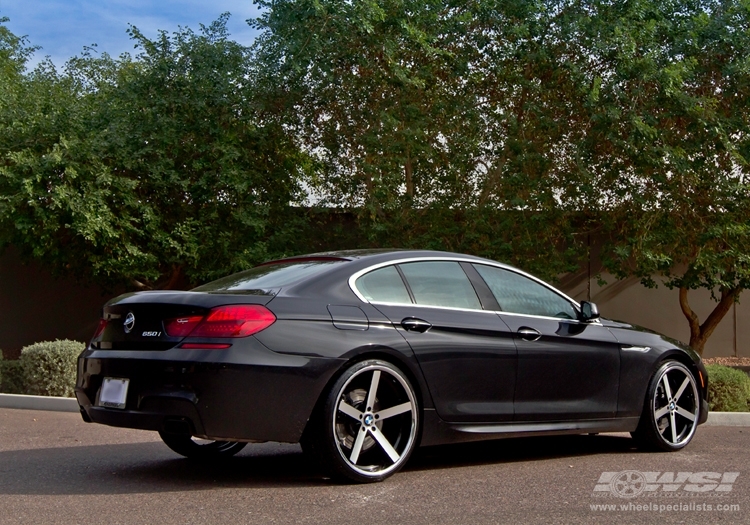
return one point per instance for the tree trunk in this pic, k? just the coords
(409, 175)
(175, 279)
(699, 333)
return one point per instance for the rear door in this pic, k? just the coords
(464, 349)
(567, 369)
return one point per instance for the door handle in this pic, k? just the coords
(412, 324)
(529, 334)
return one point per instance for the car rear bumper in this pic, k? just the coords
(244, 395)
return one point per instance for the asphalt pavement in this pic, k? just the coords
(54, 468)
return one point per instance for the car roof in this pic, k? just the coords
(380, 254)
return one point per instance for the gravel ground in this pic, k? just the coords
(727, 361)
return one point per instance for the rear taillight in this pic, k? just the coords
(235, 321)
(239, 320)
(100, 328)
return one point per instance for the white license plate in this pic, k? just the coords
(114, 392)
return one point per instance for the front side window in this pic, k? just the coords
(520, 295)
(440, 283)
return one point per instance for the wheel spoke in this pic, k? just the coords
(394, 411)
(350, 410)
(667, 390)
(672, 423)
(373, 390)
(682, 388)
(357, 447)
(684, 413)
(380, 438)
(661, 412)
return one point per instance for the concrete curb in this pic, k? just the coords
(70, 404)
(728, 419)
(55, 404)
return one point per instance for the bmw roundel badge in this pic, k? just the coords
(129, 322)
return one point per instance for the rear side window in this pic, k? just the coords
(440, 283)
(383, 286)
(268, 276)
(521, 295)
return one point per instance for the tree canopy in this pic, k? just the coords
(426, 116)
(670, 144)
(150, 169)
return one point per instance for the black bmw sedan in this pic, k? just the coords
(361, 356)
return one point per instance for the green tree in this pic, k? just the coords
(427, 116)
(150, 170)
(668, 145)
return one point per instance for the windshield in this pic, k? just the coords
(268, 276)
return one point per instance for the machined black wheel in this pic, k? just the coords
(368, 426)
(195, 448)
(672, 409)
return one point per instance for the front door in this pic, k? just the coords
(567, 369)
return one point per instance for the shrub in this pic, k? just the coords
(49, 368)
(728, 389)
(11, 377)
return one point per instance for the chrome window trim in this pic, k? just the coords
(594, 321)
(452, 308)
(353, 278)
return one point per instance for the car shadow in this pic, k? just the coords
(149, 467)
(152, 468)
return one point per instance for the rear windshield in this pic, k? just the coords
(268, 276)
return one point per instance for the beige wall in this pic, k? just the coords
(34, 306)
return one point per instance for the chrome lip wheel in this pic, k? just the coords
(676, 405)
(375, 421)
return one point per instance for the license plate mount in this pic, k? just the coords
(114, 392)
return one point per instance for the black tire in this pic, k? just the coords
(187, 446)
(671, 411)
(360, 437)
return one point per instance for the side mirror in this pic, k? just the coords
(589, 311)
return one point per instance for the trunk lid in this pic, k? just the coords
(135, 321)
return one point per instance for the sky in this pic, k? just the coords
(64, 27)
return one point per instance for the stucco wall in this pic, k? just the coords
(34, 306)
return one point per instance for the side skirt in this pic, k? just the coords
(438, 432)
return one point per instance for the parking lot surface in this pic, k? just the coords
(54, 468)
